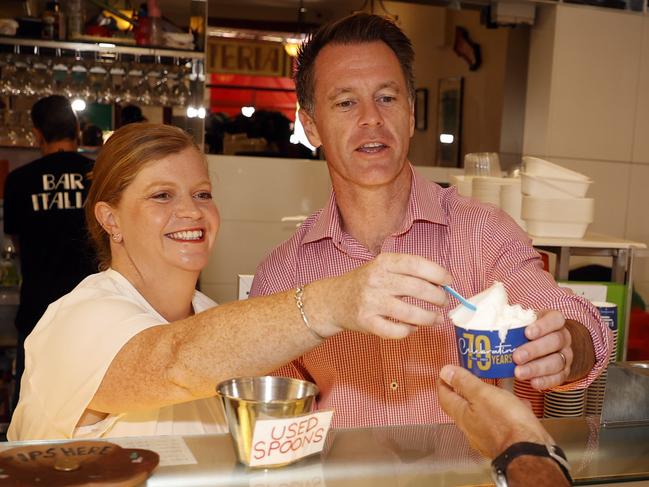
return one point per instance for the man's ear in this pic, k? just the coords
(39, 136)
(310, 128)
(107, 218)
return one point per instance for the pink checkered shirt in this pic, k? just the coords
(370, 381)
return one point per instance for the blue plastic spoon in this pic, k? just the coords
(459, 297)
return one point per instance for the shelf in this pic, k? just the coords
(106, 47)
(590, 241)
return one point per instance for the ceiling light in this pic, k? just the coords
(78, 105)
(247, 111)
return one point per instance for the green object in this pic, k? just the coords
(100, 115)
(615, 293)
(9, 272)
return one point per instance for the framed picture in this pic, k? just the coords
(421, 108)
(449, 121)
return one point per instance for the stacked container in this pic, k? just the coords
(554, 202)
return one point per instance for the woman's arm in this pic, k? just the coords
(184, 360)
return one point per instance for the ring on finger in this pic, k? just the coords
(563, 357)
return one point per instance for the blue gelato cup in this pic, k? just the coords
(482, 352)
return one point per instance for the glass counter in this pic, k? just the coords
(412, 456)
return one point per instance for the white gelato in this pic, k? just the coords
(493, 312)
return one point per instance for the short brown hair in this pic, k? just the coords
(125, 153)
(358, 28)
(54, 118)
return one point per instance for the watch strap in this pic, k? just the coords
(500, 463)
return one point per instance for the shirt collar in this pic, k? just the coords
(423, 205)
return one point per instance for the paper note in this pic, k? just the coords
(592, 292)
(278, 441)
(172, 449)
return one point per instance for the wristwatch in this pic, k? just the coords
(500, 463)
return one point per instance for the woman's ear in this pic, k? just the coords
(107, 218)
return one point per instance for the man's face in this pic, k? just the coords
(362, 115)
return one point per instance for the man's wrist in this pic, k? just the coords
(583, 350)
(545, 471)
(554, 465)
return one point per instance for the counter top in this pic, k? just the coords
(590, 240)
(412, 456)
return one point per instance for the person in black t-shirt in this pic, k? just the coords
(44, 217)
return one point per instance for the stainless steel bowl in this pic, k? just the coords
(246, 399)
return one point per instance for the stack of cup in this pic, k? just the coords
(487, 189)
(482, 164)
(463, 183)
(483, 181)
(564, 404)
(524, 390)
(511, 199)
(595, 392)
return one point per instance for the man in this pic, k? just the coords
(355, 87)
(503, 429)
(43, 215)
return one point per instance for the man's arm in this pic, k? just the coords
(493, 420)
(559, 351)
(529, 470)
(583, 359)
(568, 343)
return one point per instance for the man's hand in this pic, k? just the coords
(370, 298)
(490, 417)
(548, 359)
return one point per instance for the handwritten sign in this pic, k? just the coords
(282, 441)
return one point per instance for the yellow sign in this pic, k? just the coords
(247, 57)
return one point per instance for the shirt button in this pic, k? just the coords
(394, 385)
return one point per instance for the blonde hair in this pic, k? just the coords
(125, 153)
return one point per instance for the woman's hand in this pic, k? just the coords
(371, 298)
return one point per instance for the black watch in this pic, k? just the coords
(500, 463)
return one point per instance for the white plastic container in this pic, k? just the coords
(540, 228)
(546, 187)
(547, 169)
(557, 217)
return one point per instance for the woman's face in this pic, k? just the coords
(167, 217)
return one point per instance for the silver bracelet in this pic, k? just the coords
(299, 292)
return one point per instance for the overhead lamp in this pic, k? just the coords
(123, 18)
(291, 48)
(193, 112)
(78, 105)
(247, 111)
(446, 138)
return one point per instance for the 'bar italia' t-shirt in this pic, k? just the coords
(43, 206)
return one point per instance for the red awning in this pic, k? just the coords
(230, 92)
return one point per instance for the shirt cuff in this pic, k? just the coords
(98, 429)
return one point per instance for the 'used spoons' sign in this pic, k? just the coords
(282, 441)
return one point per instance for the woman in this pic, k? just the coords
(135, 350)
